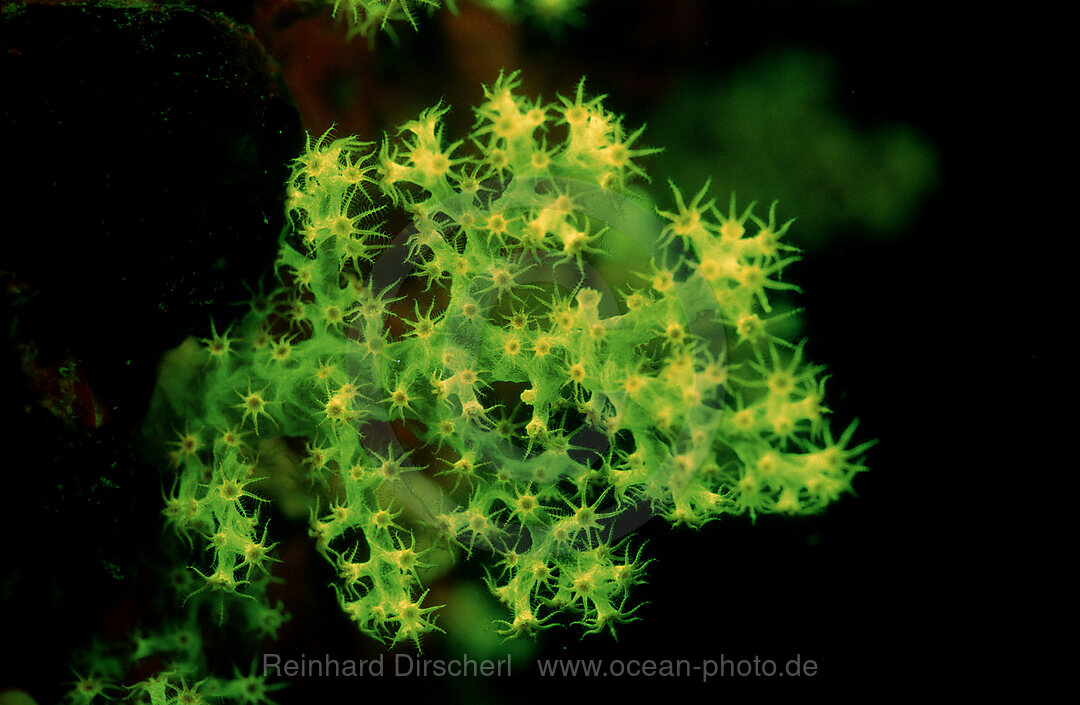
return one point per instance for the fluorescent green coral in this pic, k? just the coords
(471, 381)
(367, 18)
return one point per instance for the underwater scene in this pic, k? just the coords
(482, 350)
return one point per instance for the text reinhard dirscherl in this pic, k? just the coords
(402, 665)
